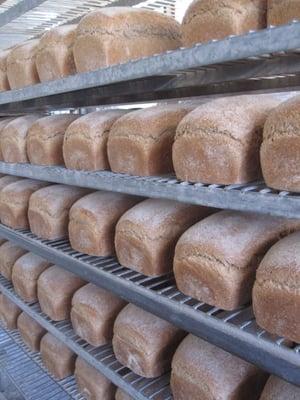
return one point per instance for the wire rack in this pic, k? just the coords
(27, 373)
(235, 331)
(102, 358)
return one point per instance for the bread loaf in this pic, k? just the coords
(14, 202)
(7, 180)
(93, 314)
(93, 219)
(277, 389)
(140, 143)
(9, 253)
(45, 139)
(57, 357)
(54, 56)
(114, 35)
(85, 140)
(21, 68)
(216, 259)
(280, 149)
(3, 123)
(91, 383)
(282, 12)
(201, 371)
(25, 273)
(49, 207)
(4, 85)
(120, 395)
(13, 139)
(143, 342)
(30, 331)
(55, 290)
(209, 19)
(277, 282)
(9, 312)
(219, 141)
(146, 235)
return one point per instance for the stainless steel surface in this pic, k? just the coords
(27, 372)
(254, 197)
(236, 331)
(102, 358)
(258, 61)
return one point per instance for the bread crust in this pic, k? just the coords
(4, 84)
(9, 312)
(120, 395)
(280, 12)
(30, 331)
(278, 389)
(9, 254)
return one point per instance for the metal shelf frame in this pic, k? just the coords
(27, 375)
(253, 197)
(102, 358)
(235, 332)
(235, 64)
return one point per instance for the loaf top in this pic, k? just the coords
(60, 35)
(136, 22)
(55, 346)
(144, 330)
(30, 261)
(58, 281)
(82, 368)
(20, 191)
(18, 127)
(211, 367)
(283, 121)
(55, 199)
(278, 389)
(93, 125)
(4, 122)
(24, 52)
(8, 306)
(99, 300)
(233, 237)
(28, 324)
(233, 117)
(48, 128)
(3, 60)
(149, 124)
(281, 265)
(7, 180)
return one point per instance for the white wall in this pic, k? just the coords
(181, 6)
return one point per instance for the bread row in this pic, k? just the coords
(225, 141)
(199, 370)
(217, 257)
(118, 34)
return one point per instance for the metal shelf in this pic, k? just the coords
(102, 358)
(236, 64)
(236, 331)
(254, 197)
(25, 372)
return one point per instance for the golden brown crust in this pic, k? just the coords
(282, 12)
(277, 389)
(9, 312)
(4, 84)
(9, 254)
(30, 331)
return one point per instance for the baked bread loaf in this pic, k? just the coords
(13, 139)
(93, 219)
(57, 357)
(49, 207)
(120, 395)
(7, 180)
(143, 342)
(91, 383)
(93, 314)
(219, 141)
(25, 273)
(14, 202)
(54, 57)
(30, 331)
(140, 143)
(9, 253)
(282, 12)
(202, 371)
(277, 282)
(3, 123)
(146, 235)
(9, 312)
(4, 85)
(281, 145)
(85, 140)
(55, 290)
(278, 389)
(216, 259)
(45, 139)
(21, 68)
(209, 19)
(115, 35)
